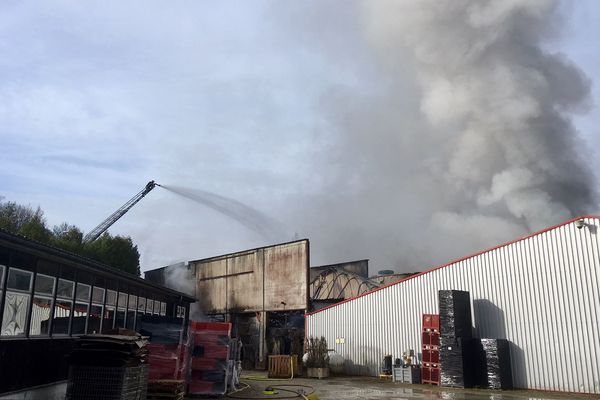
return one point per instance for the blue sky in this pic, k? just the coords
(96, 99)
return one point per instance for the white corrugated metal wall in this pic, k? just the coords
(540, 292)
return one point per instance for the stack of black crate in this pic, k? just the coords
(456, 347)
(466, 361)
(492, 358)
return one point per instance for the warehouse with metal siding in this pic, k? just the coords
(540, 292)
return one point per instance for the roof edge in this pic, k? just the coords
(570, 221)
(340, 263)
(86, 262)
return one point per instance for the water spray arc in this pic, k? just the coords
(249, 217)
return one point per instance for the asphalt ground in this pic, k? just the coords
(340, 388)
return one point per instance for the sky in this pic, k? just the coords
(328, 120)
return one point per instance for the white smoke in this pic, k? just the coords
(181, 278)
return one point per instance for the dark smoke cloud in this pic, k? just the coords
(464, 141)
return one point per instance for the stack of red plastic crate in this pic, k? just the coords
(168, 360)
(430, 372)
(208, 370)
(168, 350)
(163, 360)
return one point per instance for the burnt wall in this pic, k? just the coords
(273, 278)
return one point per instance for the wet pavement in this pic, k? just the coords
(340, 388)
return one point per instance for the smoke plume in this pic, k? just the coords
(464, 139)
(179, 277)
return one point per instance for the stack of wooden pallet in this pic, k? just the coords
(166, 389)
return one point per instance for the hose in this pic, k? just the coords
(297, 393)
(284, 388)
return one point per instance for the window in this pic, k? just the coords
(19, 280)
(121, 310)
(108, 319)
(141, 305)
(65, 289)
(156, 307)
(80, 312)
(111, 298)
(41, 309)
(122, 300)
(83, 293)
(131, 307)
(16, 304)
(96, 311)
(149, 306)
(44, 284)
(63, 307)
(163, 309)
(98, 296)
(180, 312)
(132, 302)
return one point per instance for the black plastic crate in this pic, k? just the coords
(455, 313)
(496, 373)
(457, 361)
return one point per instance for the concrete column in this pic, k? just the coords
(262, 340)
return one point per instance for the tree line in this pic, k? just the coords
(115, 251)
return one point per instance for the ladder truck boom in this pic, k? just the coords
(114, 217)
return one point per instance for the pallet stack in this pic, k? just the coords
(430, 371)
(209, 367)
(108, 367)
(166, 390)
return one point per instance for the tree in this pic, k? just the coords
(68, 237)
(35, 228)
(24, 221)
(118, 252)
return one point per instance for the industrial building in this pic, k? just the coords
(49, 297)
(262, 292)
(540, 292)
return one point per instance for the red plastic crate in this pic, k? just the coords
(426, 338)
(430, 376)
(206, 364)
(431, 340)
(425, 374)
(216, 340)
(431, 322)
(218, 352)
(222, 328)
(431, 356)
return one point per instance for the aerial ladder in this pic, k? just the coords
(114, 217)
